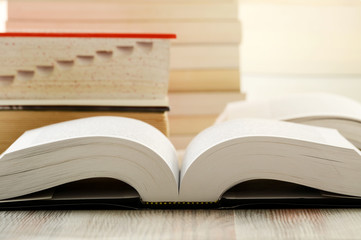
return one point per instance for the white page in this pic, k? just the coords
(117, 127)
(260, 128)
(295, 106)
(245, 149)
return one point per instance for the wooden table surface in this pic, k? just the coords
(182, 224)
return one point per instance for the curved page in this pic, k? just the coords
(245, 149)
(115, 147)
(307, 105)
(317, 109)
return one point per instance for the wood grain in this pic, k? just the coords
(117, 225)
(298, 224)
(183, 224)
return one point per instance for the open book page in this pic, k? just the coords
(116, 127)
(259, 128)
(114, 147)
(295, 106)
(245, 149)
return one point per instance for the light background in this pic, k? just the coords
(300, 46)
(295, 46)
(3, 14)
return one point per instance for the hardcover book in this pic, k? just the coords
(212, 171)
(78, 66)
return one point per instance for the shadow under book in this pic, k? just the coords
(115, 162)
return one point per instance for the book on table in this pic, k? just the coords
(118, 161)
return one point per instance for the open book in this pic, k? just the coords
(216, 160)
(317, 109)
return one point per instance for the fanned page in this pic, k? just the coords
(245, 149)
(317, 109)
(127, 68)
(308, 105)
(114, 147)
(217, 159)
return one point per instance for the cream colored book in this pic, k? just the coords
(204, 80)
(76, 66)
(185, 124)
(201, 103)
(193, 31)
(204, 56)
(318, 109)
(217, 159)
(141, 1)
(118, 10)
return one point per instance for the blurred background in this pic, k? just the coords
(300, 46)
(3, 14)
(226, 50)
(293, 46)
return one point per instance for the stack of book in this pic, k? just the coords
(204, 60)
(47, 78)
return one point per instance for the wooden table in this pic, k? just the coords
(182, 224)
